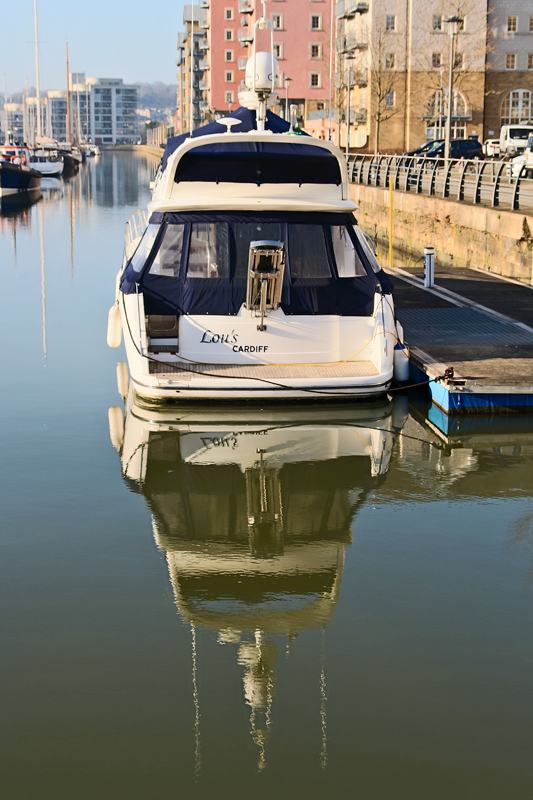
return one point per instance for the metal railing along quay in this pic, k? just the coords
(479, 182)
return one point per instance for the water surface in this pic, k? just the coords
(305, 602)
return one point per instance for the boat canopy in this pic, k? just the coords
(247, 123)
(197, 263)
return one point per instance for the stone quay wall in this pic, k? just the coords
(463, 235)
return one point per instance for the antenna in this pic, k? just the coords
(229, 122)
(264, 24)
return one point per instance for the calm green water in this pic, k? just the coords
(300, 603)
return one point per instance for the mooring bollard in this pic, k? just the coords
(429, 267)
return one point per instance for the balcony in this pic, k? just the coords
(347, 9)
(203, 64)
(246, 6)
(246, 35)
(203, 105)
(352, 41)
(359, 79)
(242, 61)
(203, 25)
(203, 86)
(204, 3)
(203, 46)
(360, 116)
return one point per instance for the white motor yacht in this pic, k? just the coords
(46, 158)
(248, 276)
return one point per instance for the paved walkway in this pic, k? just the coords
(487, 347)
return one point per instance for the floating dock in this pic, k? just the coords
(477, 324)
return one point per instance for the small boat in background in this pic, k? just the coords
(15, 173)
(45, 157)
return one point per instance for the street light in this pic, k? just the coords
(287, 82)
(453, 31)
(349, 58)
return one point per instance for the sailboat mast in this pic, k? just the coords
(37, 76)
(68, 101)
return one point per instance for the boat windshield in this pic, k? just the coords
(144, 247)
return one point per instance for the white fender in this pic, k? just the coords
(114, 326)
(401, 363)
(400, 411)
(122, 379)
(116, 427)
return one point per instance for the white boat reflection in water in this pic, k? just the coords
(253, 509)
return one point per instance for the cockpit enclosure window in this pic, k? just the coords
(349, 264)
(308, 257)
(208, 250)
(258, 163)
(364, 241)
(167, 260)
(246, 232)
(144, 248)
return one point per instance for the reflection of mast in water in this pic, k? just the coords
(43, 284)
(197, 755)
(71, 230)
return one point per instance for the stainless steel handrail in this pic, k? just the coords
(488, 182)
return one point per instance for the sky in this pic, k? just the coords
(133, 40)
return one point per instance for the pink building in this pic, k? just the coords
(301, 45)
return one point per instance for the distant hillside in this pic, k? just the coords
(157, 95)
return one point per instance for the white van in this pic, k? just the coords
(514, 138)
(529, 157)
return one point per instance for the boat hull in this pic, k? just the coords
(14, 178)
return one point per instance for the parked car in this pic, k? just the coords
(459, 149)
(424, 148)
(491, 147)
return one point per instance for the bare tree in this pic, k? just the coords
(383, 66)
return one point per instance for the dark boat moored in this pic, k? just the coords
(17, 178)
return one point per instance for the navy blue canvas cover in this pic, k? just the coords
(183, 294)
(247, 123)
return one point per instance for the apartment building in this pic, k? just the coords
(223, 32)
(393, 58)
(509, 76)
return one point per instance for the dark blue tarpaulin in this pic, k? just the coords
(247, 123)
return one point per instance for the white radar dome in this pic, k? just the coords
(266, 68)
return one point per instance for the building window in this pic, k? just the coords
(517, 107)
(320, 106)
(531, 24)
(437, 22)
(242, 62)
(229, 34)
(228, 13)
(278, 50)
(314, 79)
(229, 97)
(277, 21)
(436, 60)
(510, 61)
(315, 51)
(530, 60)
(389, 61)
(390, 22)
(390, 99)
(228, 55)
(511, 24)
(229, 77)
(316, 22)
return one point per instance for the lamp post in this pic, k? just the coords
(453, 30)
(349, 59)
(287, 82)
